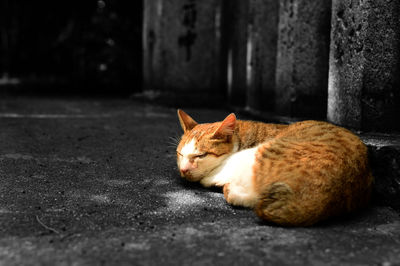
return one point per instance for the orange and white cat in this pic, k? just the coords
(294, 175)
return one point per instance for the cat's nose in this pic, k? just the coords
(184, 171)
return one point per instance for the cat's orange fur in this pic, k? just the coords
(294, 175)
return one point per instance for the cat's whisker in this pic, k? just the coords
(173, 141)
(171, 145)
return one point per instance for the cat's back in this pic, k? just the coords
(312, 130)
(317, 144)
(321, 169)
(252, 133)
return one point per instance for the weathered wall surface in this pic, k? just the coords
(364, 65)
(182, 46)
(261, 53)
(236, 14)
(302, 59)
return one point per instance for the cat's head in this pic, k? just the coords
(204, 147)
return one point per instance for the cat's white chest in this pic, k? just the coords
(238, 173)
(237, 170)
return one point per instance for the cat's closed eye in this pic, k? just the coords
(203, 155)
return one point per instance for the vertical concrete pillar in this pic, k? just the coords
(364, 73)
(261, 53)
(151, 47)
(182, 47)
(235, 37)
(303, 58)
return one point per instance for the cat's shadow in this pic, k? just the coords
(197, 186)
(351, 219)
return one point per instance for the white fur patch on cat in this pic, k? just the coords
(186, 162)
(237, 171)
(189, 148)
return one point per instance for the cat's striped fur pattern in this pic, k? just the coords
(294, 174)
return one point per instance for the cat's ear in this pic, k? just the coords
(187, 123)
(227, 128)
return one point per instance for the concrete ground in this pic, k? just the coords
(94, 182)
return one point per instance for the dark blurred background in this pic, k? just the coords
(299, 59)
(61, 47)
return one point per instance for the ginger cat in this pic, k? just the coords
(292, 175)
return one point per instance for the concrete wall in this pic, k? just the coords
(261, 53)
(236, 25)
(302, 59)
(182, 47)
(334, 59)
(364, 65)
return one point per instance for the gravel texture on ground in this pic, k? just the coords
(94, 182)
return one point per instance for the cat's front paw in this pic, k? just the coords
(226, 192)
(237, 196)
(229, 196)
